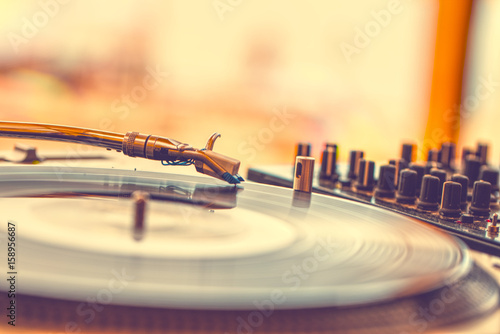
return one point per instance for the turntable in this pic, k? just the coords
(124, 248)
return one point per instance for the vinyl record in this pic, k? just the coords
(218, 258)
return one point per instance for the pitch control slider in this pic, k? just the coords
(134, 144)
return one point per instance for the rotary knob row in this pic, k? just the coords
(405, 180)
(435, 191)
(449, 197)
(453, 201)
(446, 155)
(328, 171)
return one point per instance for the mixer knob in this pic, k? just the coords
(448, 152)
(467, 219)
(302, 150)
(329, 163)
(430, 165)
(407, 187)
(409, 152)
(471, 170)
(467, 153)
(366, 179)
(354, 159)
(386, 187)
(441, 175)
(464, 182)
(489, 175)
(429, 198)
(482, 153)
(451, 198)
(433, 155)
(480, 204)
(400, 165)
(420, 174)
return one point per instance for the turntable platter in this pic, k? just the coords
(208, 246)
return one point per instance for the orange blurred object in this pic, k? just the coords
(451, 42)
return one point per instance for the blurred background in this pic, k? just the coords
(265, 74)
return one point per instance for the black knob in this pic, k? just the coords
(450, 203)
(466, 219)
(489, 175)
(400, 165)
(471, 170)
(408, 152)
(430, 165)
(366, 179)
(354, 158)
(429, 199)
(303, 150)
(329, 163)
(467, 153)
(441, 175)
(433, 155)
(482, 153)
(448, 152)
(407, 187)
(480, 204)
(464, 182)
(420, 174)
(386, 187)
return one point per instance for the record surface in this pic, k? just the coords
(209, 247)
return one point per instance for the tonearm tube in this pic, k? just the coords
(134, 144)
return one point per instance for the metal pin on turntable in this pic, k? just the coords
(140, 199)
(302, 181)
